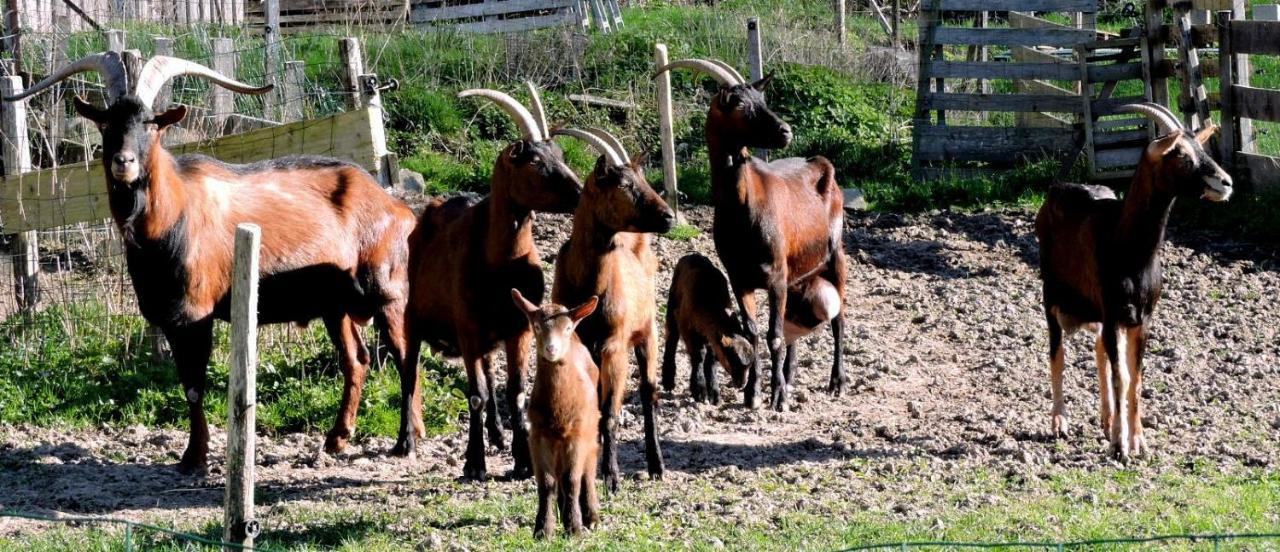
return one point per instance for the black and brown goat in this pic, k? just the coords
(334, 244)
(700, 313)
(564, 417)
(777, 225)
(608, 256)
(1100, 263)
(465, 256)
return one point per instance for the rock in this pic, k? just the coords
(914, 408)
(854, 200)
(412, 181)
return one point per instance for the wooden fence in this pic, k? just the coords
(1241, 102)
(486, 16)
(47, 16)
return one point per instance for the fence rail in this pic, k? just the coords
(1241, 102)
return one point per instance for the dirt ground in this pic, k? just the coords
(946, 352)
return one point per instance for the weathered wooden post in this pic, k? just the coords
(1227, 137)
(295, 91)
(600, 15)
(115, 40)
(271, 59)
(163, 47)
(840, 25)
(388, 171)
(353, 64)
(17, 160)
(666, 127)
(223, 102)
(755, 63)
(239, 526)
(894, 37)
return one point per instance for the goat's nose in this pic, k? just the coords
(124, 158)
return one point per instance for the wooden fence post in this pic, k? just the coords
(388, 169)
(755, 63)
(1243, 73)
(349, 49)
(1154, 11)
(295, 91)
(271, 59)
(599, 16)
(895, 36)
(115, 40)
(1226, 69)
(17, 160)
(666, 128)
(840, 25)
(239, 526)
(222, 103)
(163, 47)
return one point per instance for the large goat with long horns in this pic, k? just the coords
(778, 226)
(334, 244)
(465, 257)
(1100, 263)
(608, 256)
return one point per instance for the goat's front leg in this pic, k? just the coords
(1104, 384)
(647, 361)
(669, 352)
(777, 346)
(410, 398)
(836, 385)
(697, 385)
(1115, 340)
(477, 398)
(191, 347)
(542, 524)
(1137, 341)
(613, 384)
(709, 367)
(345, 339)
(747, 309)
(1057, 359)
(517, 370)
(492, 422)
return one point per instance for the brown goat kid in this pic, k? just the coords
(608, 256)
(1100, 263)
(700, 313)
(465, 256)
(777, 225)
(333, 242)
(564, 417)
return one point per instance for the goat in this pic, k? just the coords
(777, 225)
(1100, 263)
(464, 257)
(564, 416)
(608, 256)
(333, 242)
(700, 313)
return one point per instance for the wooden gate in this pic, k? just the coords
(1241, 102)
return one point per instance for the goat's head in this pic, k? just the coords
(1178, 161)
(739, 109)
(130, 127)
(616, 191)
(735, 351)
(533, 167)
(553, 324)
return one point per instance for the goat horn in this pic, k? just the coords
(522, 117)
(539, 112)
(1166, 124)
(160, 69)
(741, 79)
(613, 141)
(108, 64)
(717, 72)
(600, 144)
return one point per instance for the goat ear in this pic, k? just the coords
(639, 161)
(90, 111)
(601, 165)
(171, 116)
(1206, 133)
(522, 303)
(584, 310)
(763, 83)
(1164, 146)
(517, 148)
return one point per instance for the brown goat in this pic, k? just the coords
(465, 256)
(564, 417)
(1100, 263)
(700, 313)
(608, 256)
(333, 242)
(777, 225)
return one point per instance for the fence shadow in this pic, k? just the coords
(870, 239)
(700, 456)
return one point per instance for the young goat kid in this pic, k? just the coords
(700, 313)
(333, 242)
(1100, 262)
(465, 256)
(777, 225)
(608, 256)
(564, 417)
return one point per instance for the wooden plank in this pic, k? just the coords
(1227, 138)
(925, 50)
(1009, 70)
(1108, 106)
(1256, 103)
(1001, 144)
(1088, 6)
(17, 160)
(239, 526)
(1263, 171)
(513, 25)
(422, 14)
(1012, 37)
(1192, 84)
(1121, 137)
(1255, 37)
(1003, 102)
(1019, 20)
(1115, 72)
(56, 197)
(1106, 159)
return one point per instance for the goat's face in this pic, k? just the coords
(623, 201)
(1184, 168)
(736, 353)
(741, 111)
(553, 324)
(541, 181)
(129, 130)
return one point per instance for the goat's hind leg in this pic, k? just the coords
(646, 359)
(1137, 341)
(1057, 359)
(477, 397)
(517, 368)
(709, 368)
(344, 334)
(1105, 411)
(1115, 341)
(747, 309)
(777, 345)
(492, 422)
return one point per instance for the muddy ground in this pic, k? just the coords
(946, 353)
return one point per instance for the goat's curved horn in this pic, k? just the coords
(1161, 117)
(539, 112)
(613, 142)
(717, 72)
(600, 144)
(160, 69)
(741, 79)
(522, 117)
(108, 64)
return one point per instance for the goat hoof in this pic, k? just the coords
(714, 398)
(193, 464)
(1058, 427)
(474, 472)
(336, 441)
(751, 399)
(404, 447)
(780, 399)
(540, 534)
(835, 388)
(1139, 446)
(611, 483)
(520, 472)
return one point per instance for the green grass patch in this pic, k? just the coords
(683, 232)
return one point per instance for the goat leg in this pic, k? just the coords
(669, 353)
(777, 349)
(571, 505)
(342, 332)
(474, 468)
(837, 384)
(405, 441)
(649, 402)
(1137, 341)
(542, 525)
(747, 308)
(590, 502)
(709, 366)
(697, 385)
(517, 363)
(1057, 358)
(1104, 385)
(492, 421)
(191, 348)
(1112, 338)
(789, 365)
(613, 384)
